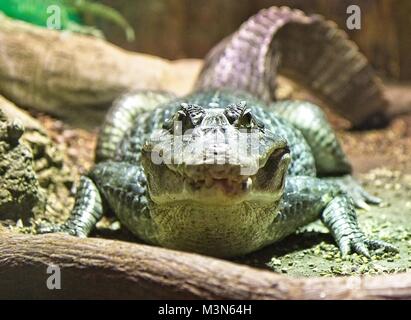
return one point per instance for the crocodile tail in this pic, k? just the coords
(306, 49)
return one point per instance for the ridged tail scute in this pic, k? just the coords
(306, 49)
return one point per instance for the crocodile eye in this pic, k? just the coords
(241, 116)
(233, 111)
(245, 120)
(174, 120)
(188, 117)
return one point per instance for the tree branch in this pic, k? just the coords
(99, 268)
(64, 73)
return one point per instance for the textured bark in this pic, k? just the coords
(97, 268)
(13, 113)
(63, 73)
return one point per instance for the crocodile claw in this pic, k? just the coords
(351, 187)
(381, 245)
(358, 243)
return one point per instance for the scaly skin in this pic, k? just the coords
(209, 228)
(220, 171)
(305, 48)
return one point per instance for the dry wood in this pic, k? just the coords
(99, 268)
(63, 73)
(14, 113)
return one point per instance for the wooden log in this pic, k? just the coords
(69, 74)
(98, 268)
(14, 113)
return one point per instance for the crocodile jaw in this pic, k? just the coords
(212, 229)
(216, 185)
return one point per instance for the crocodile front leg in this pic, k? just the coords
(330, 160)
(119, 186)
(307, 199)
(87, 211)
(339, 216)
(124, 187)
(353, 188)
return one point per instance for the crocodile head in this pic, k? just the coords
(215, 154)
(220, 160)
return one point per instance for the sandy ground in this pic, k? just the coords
(381, 160)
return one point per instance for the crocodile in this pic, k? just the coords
(227, 170)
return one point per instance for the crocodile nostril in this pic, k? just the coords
(214, 119)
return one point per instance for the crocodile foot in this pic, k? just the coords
(353, 188)
(358, 243)
(340, 217)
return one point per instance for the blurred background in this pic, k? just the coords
(189, 28)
